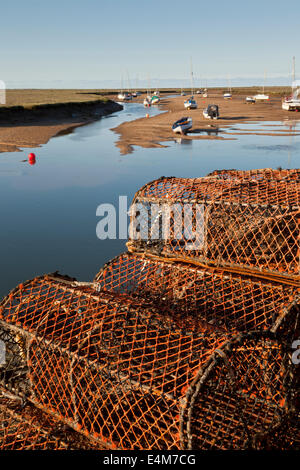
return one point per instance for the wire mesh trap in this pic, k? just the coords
(240, 221)
(216, 300)
(25, 427)
(116, 369)
(172, 346)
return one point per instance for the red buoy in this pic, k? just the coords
(31, 158)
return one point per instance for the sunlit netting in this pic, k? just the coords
(248, 223)
(229, 302)
(262, 174)
(113, 367)
(240, 399)
(24, 427)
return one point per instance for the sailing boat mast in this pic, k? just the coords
(294, 70)
(264, 82)
(192, 79)
(229, 84)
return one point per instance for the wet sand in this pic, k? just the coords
(32, 117)
(156, 131)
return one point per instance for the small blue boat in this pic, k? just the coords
(182, 125)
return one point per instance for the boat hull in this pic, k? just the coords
(181, 127)
(292, 105)
(190, 105)
(261, 97)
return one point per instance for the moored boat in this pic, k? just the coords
(227, 95)
(124, 96)
(182, 125)
(155, 99)
(191, 103)
(261, 97)
(291, 104)
(211, 112)
(147, 101)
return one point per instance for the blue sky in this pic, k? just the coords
(90, 41)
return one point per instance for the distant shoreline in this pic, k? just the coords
(28, 120)
(31, 117)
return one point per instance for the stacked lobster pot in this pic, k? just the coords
(184, 342)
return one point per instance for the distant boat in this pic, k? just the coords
(182, 125)
(124, 96)
(136, 93)
(262, 96)
(155, 99)
(191, 103)
(228, 95)
(250, 99)
(203, 93)
(211, 112)
(147, 101)
(292, 103)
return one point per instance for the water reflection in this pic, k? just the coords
(183, 141)
(210, 130)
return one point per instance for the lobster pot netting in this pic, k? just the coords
(20, 431)
(24, 427)
(234, 220)
(260, 174)
(234, 402)
(183, 342)
(110, 365)
(193, 295)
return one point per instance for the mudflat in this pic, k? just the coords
(31, 117)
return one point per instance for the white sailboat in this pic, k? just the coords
(292, 103)
(124, 96)
(191, 103)
(228, 95)
(262, 96)
(147, 100)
